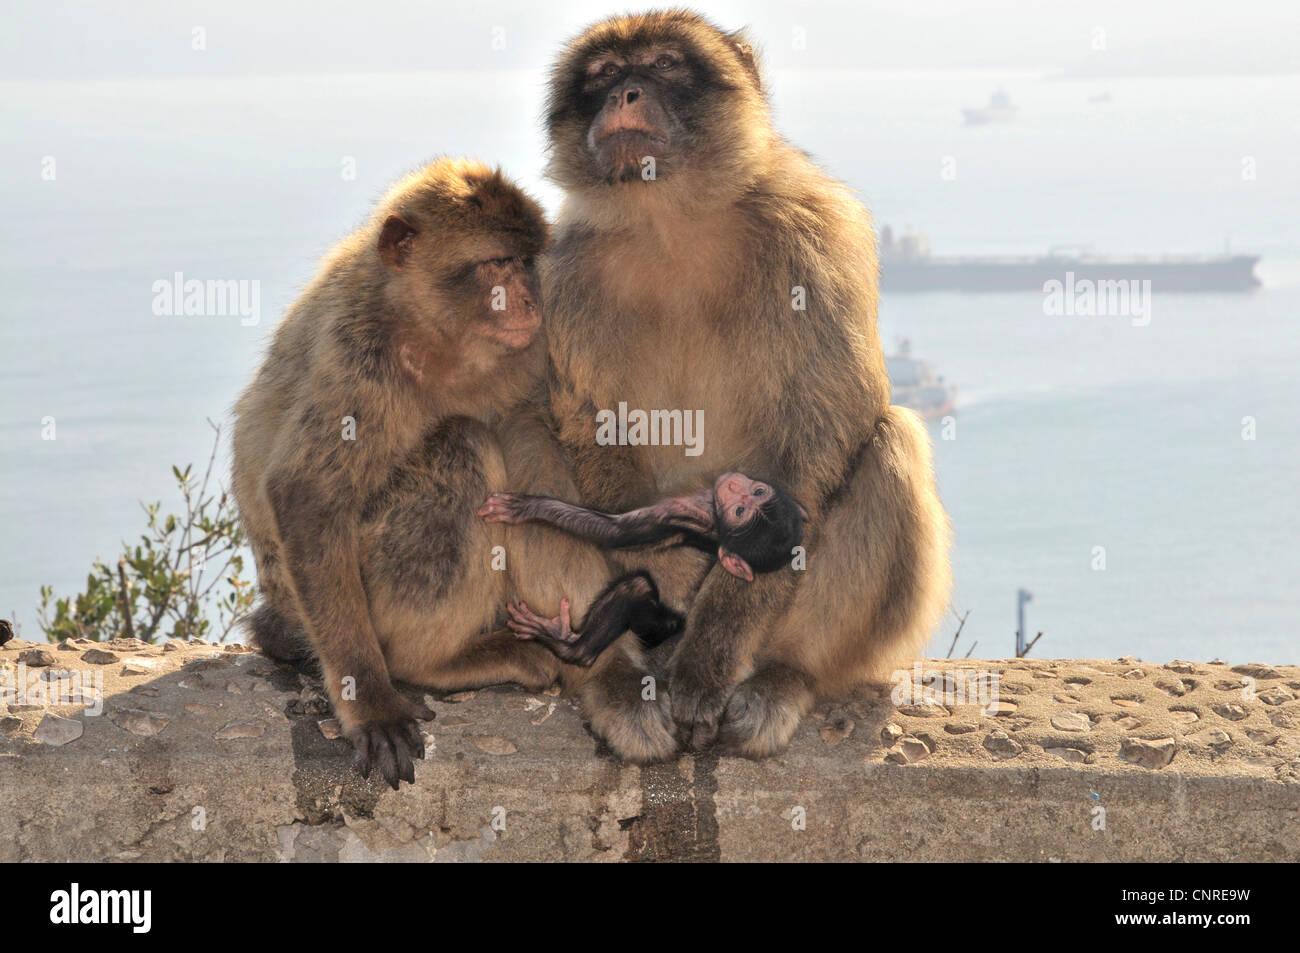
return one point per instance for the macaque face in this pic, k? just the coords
(498, 295)
(632, 98)
(477, 294)
(737, 498)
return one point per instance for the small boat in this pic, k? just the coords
(914, 386)
(999, 109)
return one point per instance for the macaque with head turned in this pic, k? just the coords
(369, 436)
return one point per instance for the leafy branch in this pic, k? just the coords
(185, 569)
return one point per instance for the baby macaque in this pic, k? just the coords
(754, 525)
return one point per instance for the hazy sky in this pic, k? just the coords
(70, 39)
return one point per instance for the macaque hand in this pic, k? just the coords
(502, 508)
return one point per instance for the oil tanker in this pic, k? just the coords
(907, 265)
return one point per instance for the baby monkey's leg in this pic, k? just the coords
(630, 602)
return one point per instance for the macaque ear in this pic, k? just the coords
(745, 50)
(395, 241)
(735, 565)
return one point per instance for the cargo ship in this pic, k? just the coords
(907, 265)
(913, 385)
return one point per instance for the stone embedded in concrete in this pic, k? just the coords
(138, 721)
(1150, 753)
(57, 731)
(1071, 721)
(1002, 746)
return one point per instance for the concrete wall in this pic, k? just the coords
(195, 752)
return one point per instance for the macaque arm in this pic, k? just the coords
(650, 524)
(316, 514)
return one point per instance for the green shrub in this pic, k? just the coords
(184, 579)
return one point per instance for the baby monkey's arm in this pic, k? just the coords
(650, 524)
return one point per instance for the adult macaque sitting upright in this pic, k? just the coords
(702, 262)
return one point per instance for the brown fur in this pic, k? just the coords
(676, 293)
(368, 551)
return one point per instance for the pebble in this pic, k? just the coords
(66, 646)
(1275, 696)
(1134, 673)
(1001, 709)
(1069, 754)
(35, 658)
(890, 734)
(100, 657)
(1230, 712)
(908, 751)
(1213, 737)
(959, 727)
(1071, 721)
(494, 745)
(1183, 716)
(140, 666)
(1262, 736)
(927, 710)
(1153, 754)
(1001, 745)
(138, 721)
(198, 708)
(10, 724)
(57, 731)
(330, 728)
(1126, 702)
(1181, 667)
(1256, 670)
(240, 729)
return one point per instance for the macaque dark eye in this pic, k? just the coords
(740, 512)
(665, 62)
(759, 490)
(609, 69)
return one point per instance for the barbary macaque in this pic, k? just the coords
(400, 389)
(754, 526)
(702, 261)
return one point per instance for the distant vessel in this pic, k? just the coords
(907, 265)
(914, 386)
(999, 109)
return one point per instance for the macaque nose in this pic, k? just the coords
(626, 96)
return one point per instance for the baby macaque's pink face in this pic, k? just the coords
(737, 498)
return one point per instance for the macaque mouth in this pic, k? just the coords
(631, 133)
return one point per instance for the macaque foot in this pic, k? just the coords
(529, 625)
(763, 712)
(697, 709)
(555, 634)
(390, 740)
(501, 508)
(632, 716)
